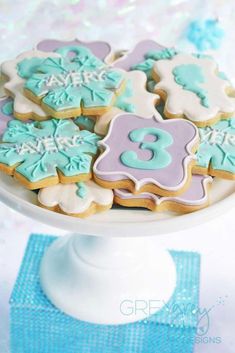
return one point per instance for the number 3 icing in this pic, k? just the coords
(147, 152)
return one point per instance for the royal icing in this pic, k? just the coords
(170, 142)
(193, 88)
(69, 199)
(85, 122)
(101, 50)
(39, 149)
(6, 113)
(136, 99)
(217, 146)
(17, 71)
(196, 195)
(83, 83)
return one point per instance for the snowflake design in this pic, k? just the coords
(217, 147)
(82, 84)
(37, 150)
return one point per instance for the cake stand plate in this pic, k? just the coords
(112, 269)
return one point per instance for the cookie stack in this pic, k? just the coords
(88, 130)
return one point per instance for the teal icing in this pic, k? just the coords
(164, 54)
(80, 54)
(190, 76)
(146, 66)
(82, 190)
(121, 101)
(8, 108)
(217, 146)
(85, 122)
(39, 149)
(27, 67)
(160, 157)
(63, 84)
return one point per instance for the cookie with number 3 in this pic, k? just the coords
(147, 155)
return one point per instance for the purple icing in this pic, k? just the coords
(4, 118)
(109, 166)
(137, 55)
(99, 49)
(195, 193)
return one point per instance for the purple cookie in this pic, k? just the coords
(137, 55)
(6, 113)
(146, 155)
(195, 198)
(100, 49)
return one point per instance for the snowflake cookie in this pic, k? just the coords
(46, 153)
(6, 113)
(16, 72)
(192, 89)
(216, 153)
(195, 198)
(66, 87)
(147, 155)
(135, 99)
(77, 199)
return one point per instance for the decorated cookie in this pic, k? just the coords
(147, 155)
(101, 50)
(6, 113)
(86, 122)
(195, 198)
(17, 71)
(66, 87)
(216, 153)
(193, 90)
(46, 153)
(135, 99)
(77, 199)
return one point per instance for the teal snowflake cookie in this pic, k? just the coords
(45, 153)
(67, 88)
(216, 153)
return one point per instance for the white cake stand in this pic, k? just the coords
(112, 269)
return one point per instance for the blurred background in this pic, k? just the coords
(205, 26)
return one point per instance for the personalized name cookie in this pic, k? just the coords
(16, 72)
(195, 198)
(192, 89)
(78, 199)
(216, 153)
(46, 153)
(147, 155)
(135, 99)
(66, 87)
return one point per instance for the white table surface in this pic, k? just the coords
(214, 240)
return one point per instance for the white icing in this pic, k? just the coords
(140, 183)
(65, 196)
(184, 102)
(213, 137)
(15, 84)
(48, 144)
(158, 200)
(75, 79)
(143, 101)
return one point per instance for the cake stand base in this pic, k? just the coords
(108, 280)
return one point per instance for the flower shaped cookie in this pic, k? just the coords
(42, 154)
(216, 153)
(147, 155)
(192, 89)
(78, 199)
(16, 72)
(195, 198)
(68, 88)
(135, 99)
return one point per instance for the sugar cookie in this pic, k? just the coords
(45, 153)
(193, 90)
(78, 199)
(147, 155)
(216, 153)
(6, 113)
(195, 198)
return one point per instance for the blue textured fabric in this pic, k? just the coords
(38, 327)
